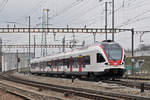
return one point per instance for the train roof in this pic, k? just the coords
(73, 52)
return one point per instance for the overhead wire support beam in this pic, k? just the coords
(39, 46)
(141, 32)
(61, 30)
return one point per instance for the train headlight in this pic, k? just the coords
(121, 63)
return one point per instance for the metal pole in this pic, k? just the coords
(47, 10)
(47, 19)
(34, 46)
(106, 20)
(29, 39)
(17, 60)
(113, 18)
(132, 49)
(94, 34)
(0, 55)
(63, 49)
(73, 40)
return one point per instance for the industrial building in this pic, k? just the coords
(13, 60)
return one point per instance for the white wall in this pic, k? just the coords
(9, 60)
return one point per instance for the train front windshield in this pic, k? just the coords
(113, 51)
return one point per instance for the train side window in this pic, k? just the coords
(35, 65)
(32, 65)
(49, 64)
(66, 62)
(86, 60)
(45, 64)
(54, 63)
(61, 62)
(76, 62)
(100, 58)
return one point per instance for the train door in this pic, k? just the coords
(75, 64)
(49, 65)
(80, 59)
(52, 66)
(41, 66)
(61, 65)
(71, 64)
(44, 66)
(58, 65)
(66, 64)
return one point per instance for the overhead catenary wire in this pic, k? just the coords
(32, 10)
(75, 18)
(133, 7)
(84, 14)
(136, 6)
(133, 18)
(136, 20)
(3, 5)
(71, 6)
(133, 3)
(64, 10)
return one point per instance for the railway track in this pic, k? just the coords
(130, 83)
(14, 93)
(69, 91)
(135, 78)
(25, 94)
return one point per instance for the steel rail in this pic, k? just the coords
(129, 84)
(136, 78)
(92, 94)
(25, 94)
(62, 89)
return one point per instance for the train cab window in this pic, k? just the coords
(100, 58)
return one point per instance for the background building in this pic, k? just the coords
(9, 60)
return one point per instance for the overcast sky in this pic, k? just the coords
(76, 13)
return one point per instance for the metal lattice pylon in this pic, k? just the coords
(44, 34)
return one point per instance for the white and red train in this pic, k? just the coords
(105, 59)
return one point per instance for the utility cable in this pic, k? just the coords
(131, 19)
(3, 5)
(85, 12)
(74, 4)
(34, 9)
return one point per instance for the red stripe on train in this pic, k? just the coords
(58, 65)
(115, 63)
(80, 64)
(57, 68)
(71, 63)
(101, 46)
(51, 68)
